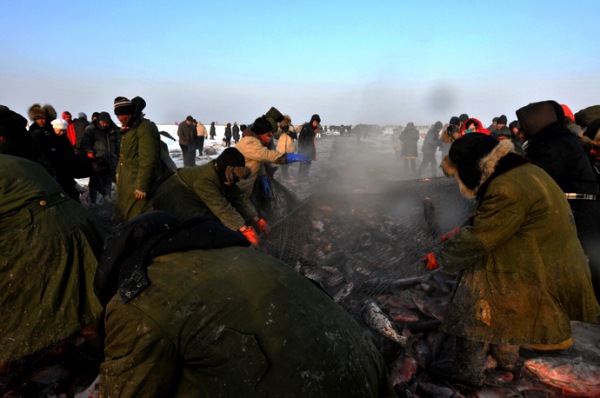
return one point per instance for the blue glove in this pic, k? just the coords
(266, 187)
(297, 157)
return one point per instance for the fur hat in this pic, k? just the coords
(464, 156)
(123, 106)
(538, 115)
(262, 126)
(45, 112)
(60, 124)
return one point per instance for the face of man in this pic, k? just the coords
(266, 138)
(315, 123)
(124, 119)
(104, 125)
(40, 121)
(188, 122)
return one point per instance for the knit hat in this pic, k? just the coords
(454, 121)
(466, 152)
(60, 124)
(503, 132)
(502, 120)
(189, 118)
(104, 117)
(231, 161)
(82, 115)
(262, 126)
(539, 115)
(124, 106)
(316, 118)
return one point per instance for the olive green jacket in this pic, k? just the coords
(139, 167)
(49, 248)
(522, 272)
(195, 192)
(234, 322)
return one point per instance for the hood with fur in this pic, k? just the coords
(47, 111)
(479, 172)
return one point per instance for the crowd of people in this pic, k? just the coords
(188, 307)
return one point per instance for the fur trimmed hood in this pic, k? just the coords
(485, 167)
(47, 111)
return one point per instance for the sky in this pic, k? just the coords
(375, 62)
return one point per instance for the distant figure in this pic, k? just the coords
(202, 134)
(235, 131)
(227, 136)
(80, 124)
(429, 149)
(286, 142)
(66, 115)
(139, 162)
(451, 133)
(212, 133)
(101, 142)
(187, 141)
(307, 145)
(409, 151)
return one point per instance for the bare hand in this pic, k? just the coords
(139, 194)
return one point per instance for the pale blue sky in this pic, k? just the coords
(350, 61)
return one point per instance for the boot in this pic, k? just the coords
(467, 366)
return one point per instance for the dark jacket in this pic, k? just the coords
(103, 144)
(228, 132)
(80, 125)
(432, 141)
(186, 133)
(306, 140)
(409, 138)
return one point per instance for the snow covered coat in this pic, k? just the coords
(196, 192)
(522, 272)
(234, 322)
(139, 167)
(49, 248)
(255, 153)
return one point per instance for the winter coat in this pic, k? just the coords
(103, 144)
(197, 192)
(234, 322)
(256, 153)
(212, 131)
(286, 144)
(235, 131)
(306, 141)
(139, 167)
(431, 142)
(409, 138)
(228, 132)
(522, 272)
(49, 248)
(186, 133)
(80, 125)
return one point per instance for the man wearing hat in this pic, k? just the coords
(139, 162)
(429, 149)
(522, 273)
(307, 145)
(210, 192)
(186, 132)
(101, 142)
(254, 145)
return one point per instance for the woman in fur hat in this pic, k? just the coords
(522, 272)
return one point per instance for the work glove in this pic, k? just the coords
(251, 235)
(297, 157)
(263, 226)
(267, 192)
(448, 235)
(431, 262)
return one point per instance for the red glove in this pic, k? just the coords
(431, 262)
(448, 235)
(90, 155)
(263, 227)
(251, 235)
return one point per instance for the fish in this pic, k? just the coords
(403, 315)
(403, 370)
(379, 321)
(572, 376)
(343, 292)
(432, 307)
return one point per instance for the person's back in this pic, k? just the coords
(235, 322)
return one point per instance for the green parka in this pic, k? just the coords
(49, 248)
(234, 322)
(195, 192)
(139, 167)
(522, 272)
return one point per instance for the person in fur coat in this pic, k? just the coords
(522, 273)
